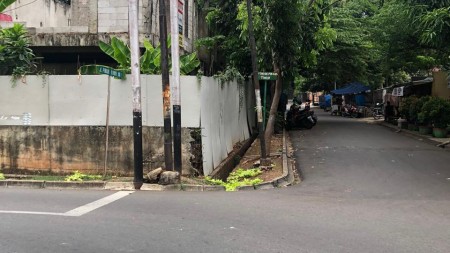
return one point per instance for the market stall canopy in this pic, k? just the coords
(352, 88)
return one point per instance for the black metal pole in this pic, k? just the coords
(138, 158)
(177, 137)
(168, 158)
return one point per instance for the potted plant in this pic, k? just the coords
(438, 111)
(422, 118)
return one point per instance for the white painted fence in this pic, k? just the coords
(81, 101)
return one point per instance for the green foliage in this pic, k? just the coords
(409, 109)
(2, 177)
(16, 57)
(150, 61)
(238, 178)
(438, 111)
(5, 3)
(78, 176)
(422, 118)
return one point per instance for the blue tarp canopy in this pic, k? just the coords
(352, 88)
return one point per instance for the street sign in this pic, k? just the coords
(105, 70)
(267, 76)
(111, 72)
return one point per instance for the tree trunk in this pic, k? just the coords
(273, 109)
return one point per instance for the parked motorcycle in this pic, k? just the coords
(296, 117)
(377, 111)
(350, 111)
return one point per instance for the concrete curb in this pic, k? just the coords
(414, 134)
(112, 186)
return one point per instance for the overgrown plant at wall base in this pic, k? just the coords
(78, 176)
(238, 178)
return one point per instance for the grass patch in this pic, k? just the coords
(78, 177)
(240, 177)
(48, 178)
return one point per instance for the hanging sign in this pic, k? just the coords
(267, 76)
(180, 22)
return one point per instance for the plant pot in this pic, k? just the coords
(413, 127)
(439, 132)
(425, 130)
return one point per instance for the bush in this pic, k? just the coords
(437, 111)
(423, 119)
(408, 109)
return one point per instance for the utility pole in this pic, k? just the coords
(136, 85)
(168, 159)
(176, 99)
(264, 161)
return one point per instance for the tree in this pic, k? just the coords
(5, 3)
(16, 57)
(150, 61)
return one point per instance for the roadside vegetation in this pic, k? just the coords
(238, 178)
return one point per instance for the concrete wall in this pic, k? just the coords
(64, 149)
(40, 13)
(64, 118)
(81, 101)
(441, 85)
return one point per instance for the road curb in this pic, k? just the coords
(413, 134)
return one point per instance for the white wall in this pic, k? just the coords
(81, 101)
(223, 120)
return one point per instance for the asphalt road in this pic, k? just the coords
(366, 189)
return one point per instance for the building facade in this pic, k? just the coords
(65, 33)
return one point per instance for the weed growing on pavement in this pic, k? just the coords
(78, 176)
(240, 177)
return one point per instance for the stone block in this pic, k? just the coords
(154, 175)
(169, 177)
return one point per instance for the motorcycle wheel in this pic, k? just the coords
(307, 124)
(288, 124)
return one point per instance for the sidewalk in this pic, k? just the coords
(428, 138)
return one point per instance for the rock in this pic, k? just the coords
(153, 176)
(169, 177)
(256, 164)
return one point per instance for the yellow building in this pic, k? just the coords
(441, 85)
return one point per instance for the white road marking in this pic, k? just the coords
(82, 210)
(97, 204)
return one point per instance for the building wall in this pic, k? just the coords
(441, 85)
(75, 22)
(58, 123)
(40, 13)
